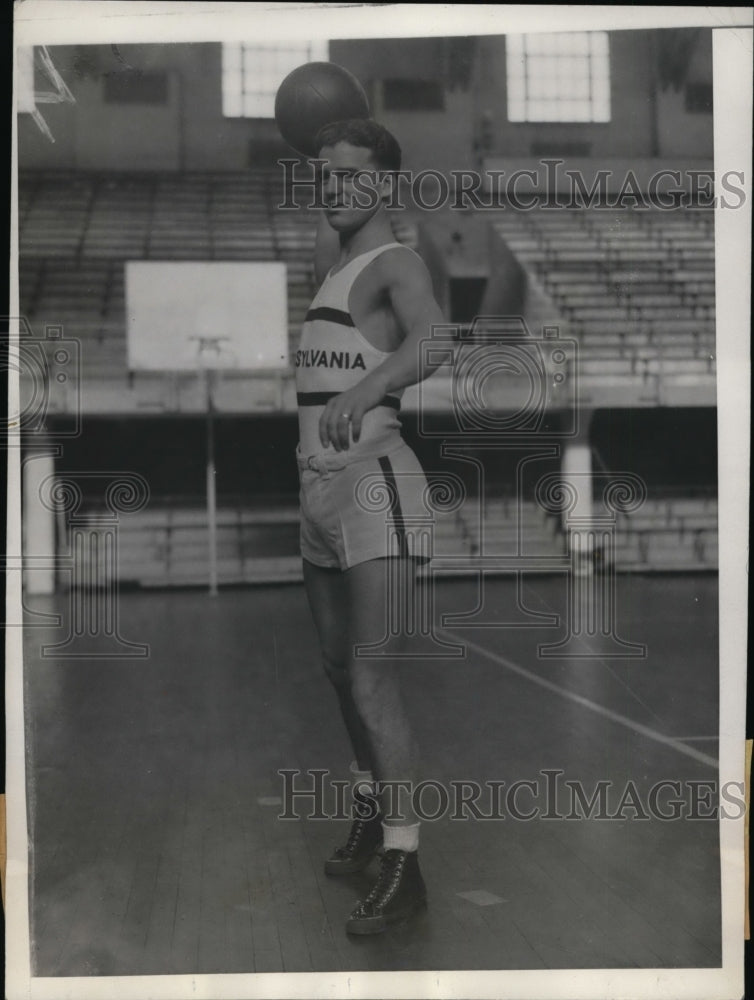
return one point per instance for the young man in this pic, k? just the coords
(359, 350)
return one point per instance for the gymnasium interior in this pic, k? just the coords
(171, 665)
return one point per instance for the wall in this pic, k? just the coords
(506, 288)
(436, 263)
(438, 140)
(682, 132)
(254, 455)
(631, 131)
(143, 136)
(671, 447)
(190, 133)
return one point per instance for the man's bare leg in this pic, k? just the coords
(373, 589)
(377, 594)
(327, 594)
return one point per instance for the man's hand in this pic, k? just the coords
(343, 414)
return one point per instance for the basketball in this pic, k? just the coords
(312, 96)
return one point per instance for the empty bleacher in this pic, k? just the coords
(668, 533)
(167, 544)
(76, 231)
(636, 288)
(507, 526)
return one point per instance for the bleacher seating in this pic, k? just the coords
(668, 533)
(77, 231)
(168, 544)
(622, 280)
(636, 288)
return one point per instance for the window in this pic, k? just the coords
(252, 74)
(558, 78)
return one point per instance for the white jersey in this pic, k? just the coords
(334, 356)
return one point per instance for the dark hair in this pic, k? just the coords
(366, 133)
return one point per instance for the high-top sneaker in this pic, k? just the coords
(399, 890)
(364, 840)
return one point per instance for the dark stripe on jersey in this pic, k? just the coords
(331, 315)
(395, 505)
(321, 398)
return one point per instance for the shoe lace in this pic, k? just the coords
(387, 880)
(357, 829)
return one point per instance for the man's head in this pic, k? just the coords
(365, 133)
(359, 156)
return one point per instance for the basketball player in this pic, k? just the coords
(359, 350)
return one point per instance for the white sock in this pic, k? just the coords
(401, 838)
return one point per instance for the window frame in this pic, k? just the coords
(315, 50)
(598, 106)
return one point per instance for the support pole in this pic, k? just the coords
(211, 483)
(38, 524)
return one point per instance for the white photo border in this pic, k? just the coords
(61, 22)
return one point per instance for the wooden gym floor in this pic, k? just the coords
(154, 791)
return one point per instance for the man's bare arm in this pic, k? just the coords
(412, 298)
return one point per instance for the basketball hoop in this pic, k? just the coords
(211, 355)
(28, 97)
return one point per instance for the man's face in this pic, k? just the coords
(351, 187)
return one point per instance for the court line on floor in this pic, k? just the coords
(607, 713)
(618, 679)
(690, 739)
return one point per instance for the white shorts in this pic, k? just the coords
(367, 508)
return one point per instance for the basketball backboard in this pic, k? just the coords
(189, 315)
(29, 61)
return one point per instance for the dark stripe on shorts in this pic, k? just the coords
(321, 398)
(395, 505)
(330, 315)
